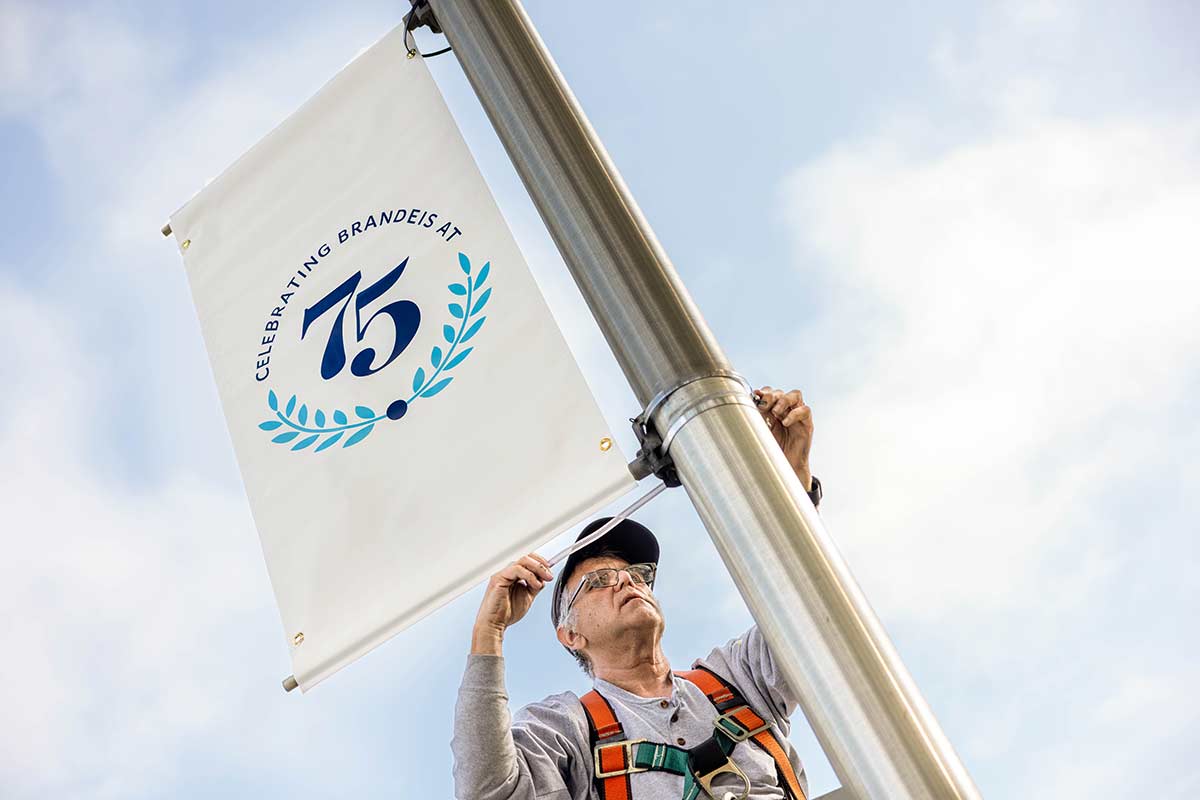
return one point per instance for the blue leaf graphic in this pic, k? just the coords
(303, 415)
(465, 263)
(452, 363)
(456, 310)
(272, 400)
(330, 442)
(419, 378)
(339, 417)
(291, 406)
(319, 418)
(305, 442)
(437, 356)
(482, 300)
(358, 437)
(364, 412)
(471, 331)
(284, 438)
(437, 387)
(270, 424)
(448, 332)
(458, 288)
(482, 276)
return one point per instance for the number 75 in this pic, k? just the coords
(404, 314)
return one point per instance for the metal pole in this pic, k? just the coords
(871, 720)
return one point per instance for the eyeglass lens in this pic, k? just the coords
(639, 573)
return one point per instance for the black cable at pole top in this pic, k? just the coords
(422, 15)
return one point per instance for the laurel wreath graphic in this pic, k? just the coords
(333, 429)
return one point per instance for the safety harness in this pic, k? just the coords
(615, 758)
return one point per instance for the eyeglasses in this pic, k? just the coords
(608, 576)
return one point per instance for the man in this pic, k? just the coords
(644, 732)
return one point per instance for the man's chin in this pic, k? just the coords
(640, 617)
(640, 607)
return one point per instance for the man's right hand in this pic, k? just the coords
(509, 595)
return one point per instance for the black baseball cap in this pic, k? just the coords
(630, 540)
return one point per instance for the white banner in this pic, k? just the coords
(405, 412)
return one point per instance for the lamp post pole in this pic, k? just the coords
(876, 729)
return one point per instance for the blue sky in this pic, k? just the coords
(967, 233)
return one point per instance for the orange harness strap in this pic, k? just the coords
(602, 725)
(730, 703)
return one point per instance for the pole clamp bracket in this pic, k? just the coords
(650, 459)
(422, 16)
(653, 456)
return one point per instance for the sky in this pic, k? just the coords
(967, 232)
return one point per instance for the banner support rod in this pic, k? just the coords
(873, 724)
(608, 526)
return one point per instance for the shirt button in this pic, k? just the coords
(680, 741)
(663, 703)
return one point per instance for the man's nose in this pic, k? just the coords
(623, 577)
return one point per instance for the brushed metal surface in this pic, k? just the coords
(879, 734)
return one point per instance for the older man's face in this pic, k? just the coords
(608, 613)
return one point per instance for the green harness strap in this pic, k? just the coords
(669, 758)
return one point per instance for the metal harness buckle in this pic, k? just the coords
(706, 780)
(629, 767)
(743, 733)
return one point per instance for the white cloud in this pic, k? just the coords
(1018, 322)
(1031, 16)
(104, 588)
(1027, 308)
(1015, 63)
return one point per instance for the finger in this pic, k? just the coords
(770, 397)
(786, 401)
(800, 413)
(782, 405)
(543, 562)
(536, 566)
(527, 575)
(767, 395)
(513, 572)
(507, 576)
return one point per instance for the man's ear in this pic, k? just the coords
(571, 639)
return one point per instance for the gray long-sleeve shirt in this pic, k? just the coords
(543, 753)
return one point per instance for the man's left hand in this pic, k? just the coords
(791, 423)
